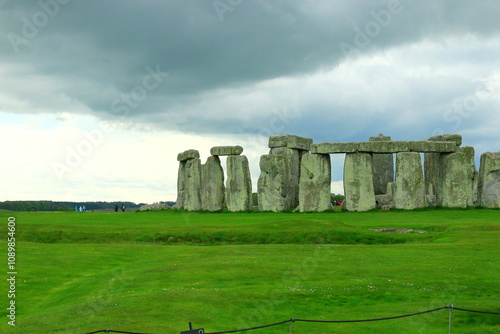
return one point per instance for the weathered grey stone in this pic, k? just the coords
(192, 199)
(181, 186)
(431, 146)
(383, 200)
(432, 173)
(238, 184)
(226, 150)
(332, 148)
(431, 200)
(154, 207)
(273, 187)
(358, 182)
(410, 187)
(456, 181)
(391, 188)
(315, 180)
(384, 147)
(380, 137)
(212, 185)
(292, 158)
(473, 173)
(489, 180)
(383, 167)
(439, 169)
(290, 141)
(456, 138)
(189, 154)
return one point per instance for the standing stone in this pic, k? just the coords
(273, 186)
(238, 184)
(292, 159)
(315, 180)
(192, 185)
(456, 183)
(212, 185)
(181, 185)
(432, 173)
(410, 188)
(472, 173)
(489, 180)
(383, 167)
(358, 182)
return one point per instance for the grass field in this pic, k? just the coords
(154, 272)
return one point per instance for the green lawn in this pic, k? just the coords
(156, 271)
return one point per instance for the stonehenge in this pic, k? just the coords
(295, 175)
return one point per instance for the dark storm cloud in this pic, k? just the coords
(170, 63)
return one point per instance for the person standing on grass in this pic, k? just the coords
(123, 207)
(116, 208)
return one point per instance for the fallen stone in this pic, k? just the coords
(315, 179)
(410, 188)
(212, 185)
(290, 141)
(358, 182)
(273, 187)
(226, 150)
(189, 154)
(431, 200)
(398, 230)
(238, 184)
(383, 200)
(154, 207)
(489, 180)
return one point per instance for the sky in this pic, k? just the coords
(97, 97)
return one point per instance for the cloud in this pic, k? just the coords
(328, 70)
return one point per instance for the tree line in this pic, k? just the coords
(63, 206)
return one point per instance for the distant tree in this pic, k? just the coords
(336, 197)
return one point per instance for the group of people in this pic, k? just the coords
(80, 208)
(123, 208)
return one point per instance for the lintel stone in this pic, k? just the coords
(290, 141)
(456, 138)
(384, 147)
(187, 155)
(226, 150)
(331, 148)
